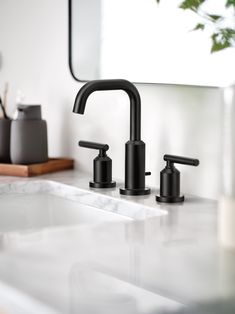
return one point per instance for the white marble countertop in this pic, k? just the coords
(175, 256)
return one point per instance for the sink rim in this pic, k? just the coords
(122, 207)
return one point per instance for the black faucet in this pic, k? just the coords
(135, 148)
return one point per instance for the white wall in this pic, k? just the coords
(175, 119)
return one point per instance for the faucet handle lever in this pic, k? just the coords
(181, 160)
(101, 147)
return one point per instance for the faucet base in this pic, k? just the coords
(170, 199)
(102, 185)
(144, 191)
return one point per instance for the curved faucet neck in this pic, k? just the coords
(102, 85)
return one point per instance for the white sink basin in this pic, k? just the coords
(30, 205)
(37, 211)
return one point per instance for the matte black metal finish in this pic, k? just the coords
(181, 160)
(102, 166)
(135, 169)
(102, 85)
(134, 192)
(101, 147)
(170, 199)
(170, 179)
(97, 185)
(135, 148)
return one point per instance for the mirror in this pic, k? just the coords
(145, 43)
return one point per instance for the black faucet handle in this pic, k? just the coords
(181, 160)
(102, 166)
(101, 147)
(170, 179)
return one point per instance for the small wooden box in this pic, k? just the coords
(53, 165)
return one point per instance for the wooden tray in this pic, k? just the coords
(53, 165)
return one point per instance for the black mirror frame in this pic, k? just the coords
(70, 42)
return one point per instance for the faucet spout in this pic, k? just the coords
(117, 84)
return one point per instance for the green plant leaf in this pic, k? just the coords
(215, 17)
(219, 42)
(223, 37)
(218, 46)
(230, 3)
(191, 4)
(199, 26)
(228, 32)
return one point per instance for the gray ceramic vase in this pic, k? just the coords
(5, 132)
(29, 136)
